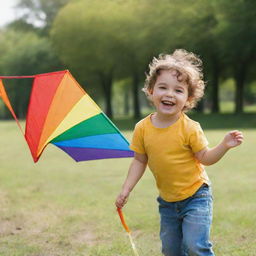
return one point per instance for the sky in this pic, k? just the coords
(7, 13)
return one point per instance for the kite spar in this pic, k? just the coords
(60, 112)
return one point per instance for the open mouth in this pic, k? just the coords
(168, 103)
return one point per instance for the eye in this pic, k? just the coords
(179, 91)
(162, 87)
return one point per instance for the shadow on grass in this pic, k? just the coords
(207, 121)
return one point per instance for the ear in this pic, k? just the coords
(150, 91)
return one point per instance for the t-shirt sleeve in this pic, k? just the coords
(197, 139)
(137, 143)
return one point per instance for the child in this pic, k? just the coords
(175, 149)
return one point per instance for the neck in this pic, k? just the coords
(163, 121)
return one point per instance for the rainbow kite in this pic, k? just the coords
(62, 113)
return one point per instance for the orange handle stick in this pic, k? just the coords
(120, 213)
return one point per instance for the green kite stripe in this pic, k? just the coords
(93, 126)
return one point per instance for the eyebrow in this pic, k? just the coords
(162, 83)
(166, 84)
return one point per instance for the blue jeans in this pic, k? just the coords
(185, 225)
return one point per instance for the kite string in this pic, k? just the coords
(133, 245)
(120, 213)
(34, 76)
(14, 77)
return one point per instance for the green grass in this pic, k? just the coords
(59, 207)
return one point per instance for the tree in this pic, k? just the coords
(136, 44)
(197, 31)
(116, 40)
(239, 34)
(89, 33)
(24, 54)
(40, 13)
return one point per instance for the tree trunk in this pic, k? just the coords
(16, 103)
(240, 75)
(6, 113)
(106, 82)
(200, 106)
(136, 103)
(126, 103)
(215, 87)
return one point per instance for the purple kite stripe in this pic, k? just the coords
(84, 154)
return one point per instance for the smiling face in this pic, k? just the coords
(169, 95)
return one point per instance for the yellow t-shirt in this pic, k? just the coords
(170, 153)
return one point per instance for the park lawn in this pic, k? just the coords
(60, 207)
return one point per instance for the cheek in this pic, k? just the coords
(183, 96)
(156, 94)
(187, 96)
(184, 99)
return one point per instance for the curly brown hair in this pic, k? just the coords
(188, 68)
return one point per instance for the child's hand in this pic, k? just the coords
(122, 199)
(233, 139)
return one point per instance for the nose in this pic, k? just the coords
(169, 93)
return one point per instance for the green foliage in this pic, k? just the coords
(82, 37)
(238, 28)
(24, 54)
(40, 12)
(106, 41)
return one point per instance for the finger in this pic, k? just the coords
(122, 201)
(119, 200)
(238, 143)
(238, 133)
(239, 140)
(239, 137)
(119, 204)
(233, 132)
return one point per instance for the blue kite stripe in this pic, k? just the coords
(104, 141)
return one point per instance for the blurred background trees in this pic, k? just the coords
(108, 44)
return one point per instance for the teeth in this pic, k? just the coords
(168, 103)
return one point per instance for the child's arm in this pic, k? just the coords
(209, 156)
(135, 172)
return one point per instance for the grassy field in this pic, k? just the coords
(59, 207)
